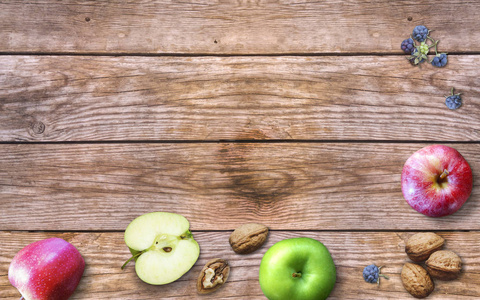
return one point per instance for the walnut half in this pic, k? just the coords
(213, 275)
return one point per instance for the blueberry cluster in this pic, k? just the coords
(418, 53)
(372, 274)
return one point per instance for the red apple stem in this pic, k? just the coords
(444, 174)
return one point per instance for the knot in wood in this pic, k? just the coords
(38, 127)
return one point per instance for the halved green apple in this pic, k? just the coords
(162, 246)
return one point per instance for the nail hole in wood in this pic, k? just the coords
(409, 18)
(215, 41)
(87, 19)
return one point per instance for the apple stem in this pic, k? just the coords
(444, 174)
(186, 235)
(133, 257)
(297, 274)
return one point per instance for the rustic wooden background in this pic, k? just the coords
(295, 114)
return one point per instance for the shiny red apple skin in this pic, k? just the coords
(49, 269)
(420, 186)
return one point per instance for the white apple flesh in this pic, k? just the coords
(49, 269)
(436, 181)
(162, 245)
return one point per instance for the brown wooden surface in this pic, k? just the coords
(104, 253)
(233, 26)
(295, 114)
(58, 98)
(218, 186)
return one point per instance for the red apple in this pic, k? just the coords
(47, 269)
(436, 181)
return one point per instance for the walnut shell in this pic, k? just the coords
(248, 238)
(444, 265)
(213, 276)
(416, 280)
(421, 245)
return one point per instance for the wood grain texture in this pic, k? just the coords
(57, 98)
(233, 26)
(104, 253)
(141, 106)
(218, 186)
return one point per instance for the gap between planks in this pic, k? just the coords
(270, 230)
(247, 141)
(142, 54)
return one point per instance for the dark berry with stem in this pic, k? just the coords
(420, 33)
(440, 60)
(453, 101)
(408, 45)
(372, 274)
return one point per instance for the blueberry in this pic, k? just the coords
(408, 45)
(371, 274)
(420, 33)
(440, 60)
(453, 101)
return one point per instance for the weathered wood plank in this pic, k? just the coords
(58, 98)
(104, 253)
(233, 26)
(218, 186)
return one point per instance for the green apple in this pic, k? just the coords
(162, 246)
(297, 268)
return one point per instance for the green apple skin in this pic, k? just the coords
(162, 246)
(297, 269)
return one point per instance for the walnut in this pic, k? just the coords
(416, 280)
(444, 265)
(421, 245)
(248, 238)
(213, 276)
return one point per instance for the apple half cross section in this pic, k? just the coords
(162, 246)
(436, 180)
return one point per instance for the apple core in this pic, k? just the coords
(165, 243)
